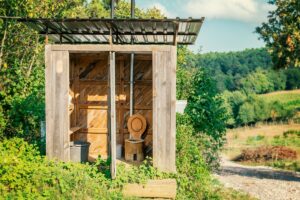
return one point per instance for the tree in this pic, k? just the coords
(257, 82)
(206, 108)
(293, 77)
(282, 33)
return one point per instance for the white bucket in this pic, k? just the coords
(119, 151)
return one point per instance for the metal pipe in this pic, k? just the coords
(132, 66)
(112, 9)
(131, 83)
(132, 8)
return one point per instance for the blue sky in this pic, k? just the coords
(229, 24)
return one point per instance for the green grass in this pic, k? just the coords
(291, 99)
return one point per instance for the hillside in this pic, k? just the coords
(289, 98)
(231, 70)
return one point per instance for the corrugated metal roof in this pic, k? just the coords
(122, 31)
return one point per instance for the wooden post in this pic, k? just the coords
(164, 106)
(112, 88)
(57, 105)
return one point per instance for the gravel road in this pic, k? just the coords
(259, 181)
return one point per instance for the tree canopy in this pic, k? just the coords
(282, 33)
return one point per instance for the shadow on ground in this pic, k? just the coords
(259, 172)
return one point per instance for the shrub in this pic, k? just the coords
(206, 109)
(194, 181)
(261, 154)
(2, 123)
(26, 175)
(291, 133)
(254, 139)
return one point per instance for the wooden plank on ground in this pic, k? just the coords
(152, 189)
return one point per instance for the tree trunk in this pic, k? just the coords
(2, 46)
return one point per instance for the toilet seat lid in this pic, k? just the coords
(136, 126)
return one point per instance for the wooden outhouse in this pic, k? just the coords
(89, 79)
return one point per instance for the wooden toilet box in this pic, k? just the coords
(134, 150)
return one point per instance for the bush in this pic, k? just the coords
(193, 178)
(206, 109)
(262, 154)
(26, 174)
(291, 133)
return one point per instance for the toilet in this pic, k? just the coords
(134, 145)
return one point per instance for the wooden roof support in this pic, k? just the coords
(112, 112)
(176, 27)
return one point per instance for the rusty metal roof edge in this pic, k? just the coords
(24, 19)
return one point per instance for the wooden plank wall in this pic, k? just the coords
(164, 108)
(90, 98)
(89, 90)
(90, 106)
(57, 113)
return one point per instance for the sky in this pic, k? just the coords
(229, 24)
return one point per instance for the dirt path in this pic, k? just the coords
(261, 182)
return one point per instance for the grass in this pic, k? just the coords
(291, 99)
(264, 135)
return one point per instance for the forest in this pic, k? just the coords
(241, 78)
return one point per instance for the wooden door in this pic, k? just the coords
(164, 109)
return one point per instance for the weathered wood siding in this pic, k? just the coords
(154, 91)
(164, 109)
(57, 114)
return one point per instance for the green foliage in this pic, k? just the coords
(293, 77)
(291, 133)
(97, 9)
(250, 71)
(207, 114)
(289, 138)
(205, 107)
(254, 139)
(287, 165)
(193, 176)
(257, 82)
(249, 109)
(24, 174)
(281, 33)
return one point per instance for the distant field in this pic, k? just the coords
(261, 135)
(290, 98)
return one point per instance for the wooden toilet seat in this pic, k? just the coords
(136, 126)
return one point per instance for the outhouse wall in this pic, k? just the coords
(58, 79)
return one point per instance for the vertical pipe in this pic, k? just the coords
(132, 65)
(131, 83)
(112, 101)
(112, 9)
(132, 8)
